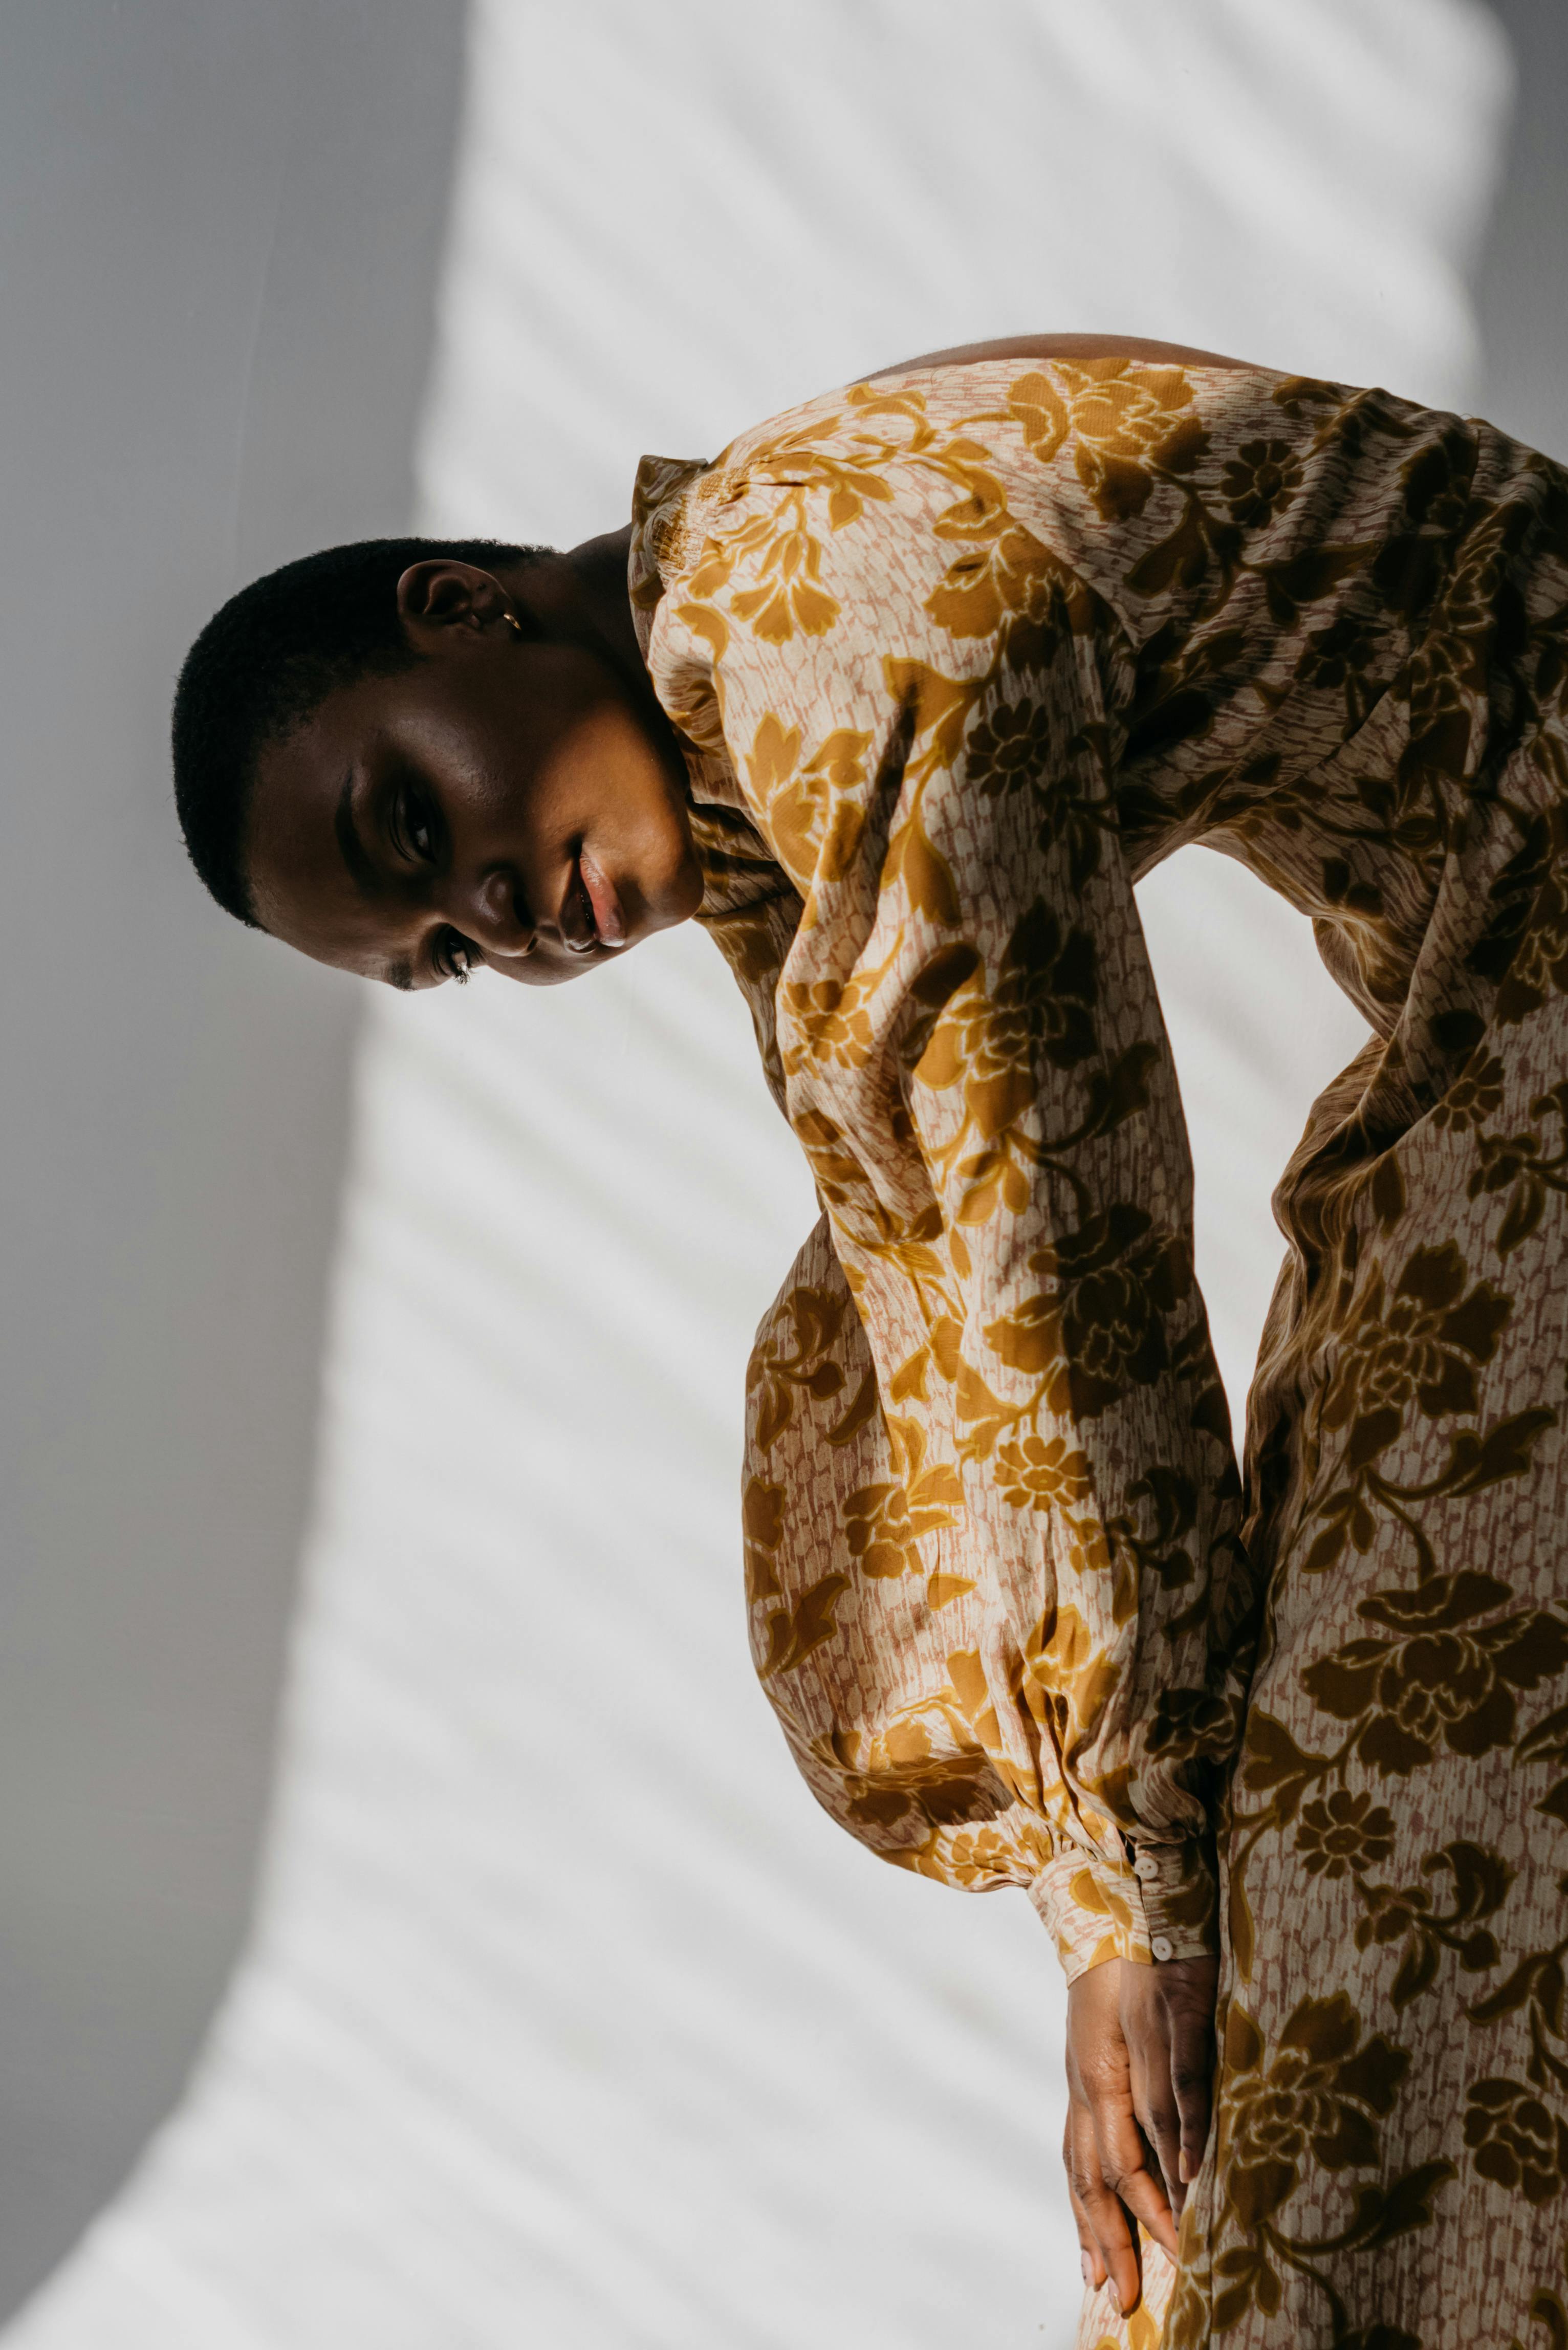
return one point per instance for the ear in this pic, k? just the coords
(442, 596)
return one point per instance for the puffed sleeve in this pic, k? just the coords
(991, 1505)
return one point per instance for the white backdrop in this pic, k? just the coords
(569, 2018)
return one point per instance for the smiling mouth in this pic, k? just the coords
(580, 930)
(593, 894)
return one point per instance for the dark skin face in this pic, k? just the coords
(511, 801)
(518, 805)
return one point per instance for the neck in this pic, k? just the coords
(583, 595)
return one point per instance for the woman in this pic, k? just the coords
(899, 698)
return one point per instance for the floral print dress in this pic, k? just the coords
(956, 656)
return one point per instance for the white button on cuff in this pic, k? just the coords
(1145, 1865)
(1163, 1947)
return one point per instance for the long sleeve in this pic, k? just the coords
(990, 1506)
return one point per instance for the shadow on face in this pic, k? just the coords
(509, 799)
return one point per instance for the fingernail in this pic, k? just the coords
(1087, 2264)
(1183, 2173)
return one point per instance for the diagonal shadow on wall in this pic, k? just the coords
(220, 223)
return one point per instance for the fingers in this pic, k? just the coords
(1124, 2167)
(1107, 2155)
(1110, 2248)
(1096, 2070)
(1158, 2113)
(1153, 2090)
(1093, 2267)
(1192, 2074)
(1166, 2017)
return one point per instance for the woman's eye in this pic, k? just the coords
(415, 832)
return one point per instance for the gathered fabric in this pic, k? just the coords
(955, 657)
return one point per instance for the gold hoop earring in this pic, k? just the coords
(512, 621)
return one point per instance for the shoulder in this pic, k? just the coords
(918, 444)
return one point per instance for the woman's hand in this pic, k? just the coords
(1168, 2023)
(1139, 2061)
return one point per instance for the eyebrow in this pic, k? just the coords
(350, 845)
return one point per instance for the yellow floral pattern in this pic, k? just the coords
(956, 656)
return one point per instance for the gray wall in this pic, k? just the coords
(1522, 276)
(219, 228)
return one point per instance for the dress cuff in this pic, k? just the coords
(1157, 1905)
(1091, 1908)
(1177, 1891)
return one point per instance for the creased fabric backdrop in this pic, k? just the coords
(568, 2019)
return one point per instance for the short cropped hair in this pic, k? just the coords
(267, 660)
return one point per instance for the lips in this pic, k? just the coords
(578, 924)
(604, 908)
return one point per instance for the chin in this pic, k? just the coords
(675, 896)
(689, 891)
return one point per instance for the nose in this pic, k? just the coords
(489, 910)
